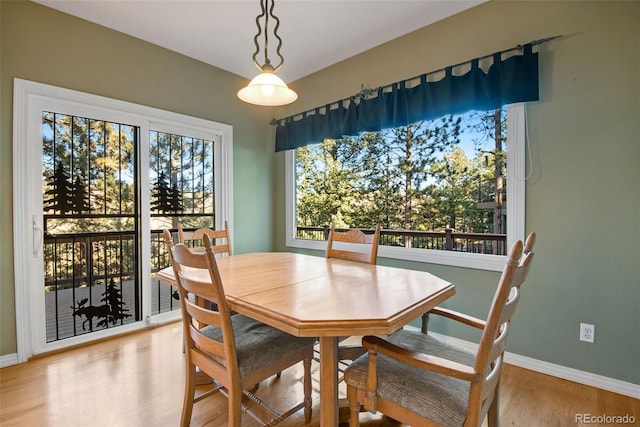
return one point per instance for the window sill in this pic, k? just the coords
(449, 258)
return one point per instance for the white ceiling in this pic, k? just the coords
(315, 33)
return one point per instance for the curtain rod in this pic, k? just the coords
(369, 92)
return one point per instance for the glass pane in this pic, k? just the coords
(181, 175)
(90, 225)
(436, 184)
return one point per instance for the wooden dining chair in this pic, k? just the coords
(354, 245)
(350, 241)
(237, 351)
(220, 238)
(193, 239)
(417, 379)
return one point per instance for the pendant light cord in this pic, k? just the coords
(264, 4)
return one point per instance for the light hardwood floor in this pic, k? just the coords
(137, 380)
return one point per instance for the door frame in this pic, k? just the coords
(30, 99)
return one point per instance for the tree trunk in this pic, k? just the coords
(497, 210)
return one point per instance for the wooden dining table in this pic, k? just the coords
(311, 296)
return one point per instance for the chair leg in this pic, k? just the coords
(189, 394)
(425, 323)
(306, 363)
(354, 407)
(493, 415)
(235, 408)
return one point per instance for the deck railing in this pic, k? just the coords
(448, 240)
(91, 280)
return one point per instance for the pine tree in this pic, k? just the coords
(112, 297)
(453, 196)
(161, 195)
(80, 199)
(60, 193)
(175, 199)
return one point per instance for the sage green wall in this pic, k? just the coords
(43, 45)
(583, 195)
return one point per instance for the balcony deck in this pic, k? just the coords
(67, 325)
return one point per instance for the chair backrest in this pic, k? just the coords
(196, 313)
(353, 237)
(219, 238)
(489, 359)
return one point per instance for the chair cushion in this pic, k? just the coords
(257, 344)
(436, 397)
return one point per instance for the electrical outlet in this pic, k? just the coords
(587, 332)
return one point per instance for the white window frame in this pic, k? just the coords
(30, 100)
(516, 154)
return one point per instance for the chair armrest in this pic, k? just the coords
(420, 360)
(459, 317)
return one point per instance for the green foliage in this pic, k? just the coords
(88, 170)
(414, 177)
(453, 196)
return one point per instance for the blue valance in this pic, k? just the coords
(507, 81)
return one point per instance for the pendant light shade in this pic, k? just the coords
(267, 89)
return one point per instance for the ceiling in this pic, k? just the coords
(315, 33)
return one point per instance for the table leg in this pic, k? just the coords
(328, 381)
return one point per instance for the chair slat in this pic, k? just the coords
(203, 315)
(220, 239)
(206, 344)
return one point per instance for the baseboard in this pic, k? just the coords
(575, 375)
(559, 371)
(8, 360)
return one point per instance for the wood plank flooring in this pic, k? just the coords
(137, 380)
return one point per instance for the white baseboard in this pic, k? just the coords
(575, 375)
(570, 374)
(8, 360)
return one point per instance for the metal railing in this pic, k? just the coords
(92, 281)
(447, 240)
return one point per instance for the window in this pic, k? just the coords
(439, 189)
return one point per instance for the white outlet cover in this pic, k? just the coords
(587, 332)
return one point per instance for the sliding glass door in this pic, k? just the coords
(96, 182)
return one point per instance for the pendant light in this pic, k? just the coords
(267, 89)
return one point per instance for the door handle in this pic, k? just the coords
(37, 236)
